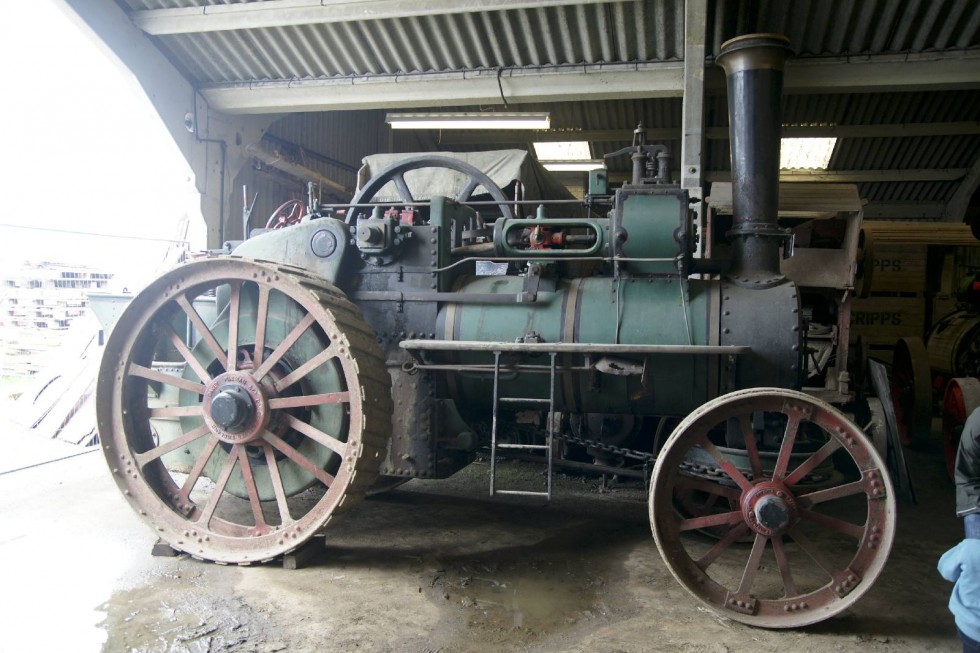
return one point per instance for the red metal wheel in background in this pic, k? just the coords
(911, 381)
(961, 398)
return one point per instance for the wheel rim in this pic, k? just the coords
(820, 550)
(962, 397)
(241, 447)
(912, 391)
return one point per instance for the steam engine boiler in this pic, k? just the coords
(245, 402)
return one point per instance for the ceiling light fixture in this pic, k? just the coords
(475, 120)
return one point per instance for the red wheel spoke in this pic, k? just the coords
(748, 436)
(782, 561)
(188, 355)
(253, 493)
(813, 498)
(234, 310)
(709, 487)
(721, 519)
(167, 379)
(310, 400)
(143, 458)
(177, 411)
(721, 546)
(789, 439)
(284, 346)
(261, 317)
(202, 460)
(838, 525)
(273, 466)
(299, 458)
(804, 543)
(305, 368)
(811, 463)
(216, 349)
(752, 566)
(724, 463)
(317, 435)
(219, 486)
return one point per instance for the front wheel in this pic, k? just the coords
(817, 523)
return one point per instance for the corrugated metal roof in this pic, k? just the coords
(611, 32)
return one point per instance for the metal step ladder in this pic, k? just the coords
(494, 445)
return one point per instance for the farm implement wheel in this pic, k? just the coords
(962, 397)
(813, 552)
(912, 390)
(241, 407)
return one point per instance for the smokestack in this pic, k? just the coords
(754, 67)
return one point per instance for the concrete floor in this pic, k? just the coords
(431, 566)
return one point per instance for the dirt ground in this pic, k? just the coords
(429, 567)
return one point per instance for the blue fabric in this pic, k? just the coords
(961, 565)
(971, 526)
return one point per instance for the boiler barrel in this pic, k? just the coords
(599, 311)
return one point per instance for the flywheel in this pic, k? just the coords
(241, 407)
(794, 542)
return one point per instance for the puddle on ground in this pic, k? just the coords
(177, 613)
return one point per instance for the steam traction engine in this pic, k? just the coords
(247, 401)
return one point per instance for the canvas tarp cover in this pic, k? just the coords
(502, 166)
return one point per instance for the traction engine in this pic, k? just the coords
(246, 402)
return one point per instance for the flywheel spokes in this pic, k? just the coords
(794, 541)
(241, 407)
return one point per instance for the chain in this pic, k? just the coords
(608, 448)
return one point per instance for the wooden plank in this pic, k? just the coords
(882, 320)
(798, 200)
(899, 268)
(909, 232)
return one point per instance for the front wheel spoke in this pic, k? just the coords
(302, 401)
(167, 379)
(284, 346)
(219, 486)
(708, 487)
(752, 566)
(834, 524)
(185, 491)
(177, 411)
(786, 447)
(782, 561)
(721, 546)
(298, 458)
(808, 547)
(811, 463)
(724, 463)
(305, 369)
(830, 494)
(316, 435)
(253, 493)
(273, 466)
(721, 519)
(234, 310)
(748, 437)
(202, 329)
(143, 458)
(188, 355)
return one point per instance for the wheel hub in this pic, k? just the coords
(769, 508)
(235, 408)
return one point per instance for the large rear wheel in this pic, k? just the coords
(242, 407)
